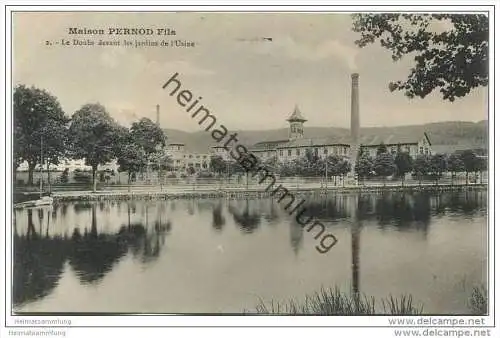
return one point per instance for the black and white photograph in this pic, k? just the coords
(319, 165)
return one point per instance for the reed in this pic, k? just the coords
(478, 301)
(332, 301)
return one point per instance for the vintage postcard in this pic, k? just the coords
(329, 165)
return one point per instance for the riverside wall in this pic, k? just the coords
(254, 193)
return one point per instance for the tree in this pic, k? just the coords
(384, 165)
(217, 164)
(364, 166)
(438, 165)
(38, 119)
(190, 170)
(403, 162)
(381, 149)
(343, 167)
(147, 135)
(333, 166)
(160, 160)
(454, 59)
(244, 165)
(469, 159)
(455, 165)
(131, 159)
(421, 167)
(96, 137)
(482, 165)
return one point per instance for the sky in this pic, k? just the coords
(246, 81)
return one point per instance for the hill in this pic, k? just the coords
(444, 136)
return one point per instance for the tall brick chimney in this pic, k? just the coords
(158, 115)
(354, 119)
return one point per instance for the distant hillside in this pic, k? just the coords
(444, 136)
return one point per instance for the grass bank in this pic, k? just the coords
(332, 301)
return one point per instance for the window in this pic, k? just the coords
(325, 151)
(190, 156)
(408, 149)
(289, 152)
(281, 152)
(316, 150)
(421, 150)
(297, 152)
(178, 161)
(336, 151)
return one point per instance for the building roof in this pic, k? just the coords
(314, 142)
(175, 144)
(365, 140)
(392, 139)
(267, 145)
(296, 116)
(453, 148)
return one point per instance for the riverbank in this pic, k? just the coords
(333, 302)
(238, 193)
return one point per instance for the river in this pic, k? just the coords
(224, 256)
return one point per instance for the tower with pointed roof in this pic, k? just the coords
(296, 121)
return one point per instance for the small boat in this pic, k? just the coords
(41, 202)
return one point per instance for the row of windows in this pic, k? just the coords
(175, 147)
(343, 151)
(298, 152)
(196, 165)
(197, 156)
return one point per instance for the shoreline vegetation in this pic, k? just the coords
(332, 301)
(235, 193)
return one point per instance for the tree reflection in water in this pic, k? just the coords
(37, 263)
(296, 236)
(248, 220)
(38, 260)
(272, 215)
(218, 220)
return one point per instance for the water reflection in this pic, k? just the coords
(39, 255)
(249, 219)
(218, 220)
(91, 239)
